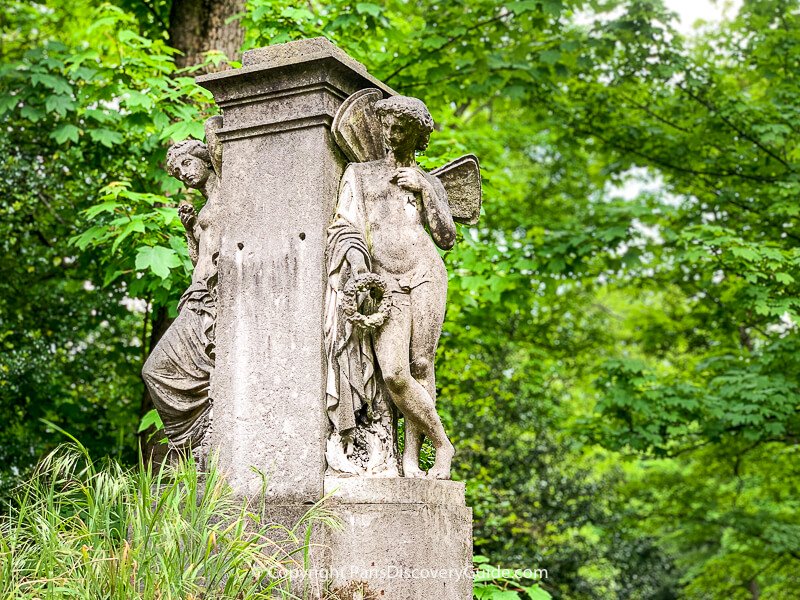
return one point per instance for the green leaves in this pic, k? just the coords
(106, 137)
(107, 113)
(150, 419)
(54, 82)
(158, 259)
(489, 592)
(140, 239)
(368, 8)
(59, 104)
(728, 397)
(65, 132)
(135, 99)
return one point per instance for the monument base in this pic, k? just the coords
(401, 539)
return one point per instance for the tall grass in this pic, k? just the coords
(92, 531)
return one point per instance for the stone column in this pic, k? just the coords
(281, 171)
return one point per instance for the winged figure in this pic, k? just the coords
(382, 246)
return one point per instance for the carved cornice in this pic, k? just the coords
(238, 133)
(286, 84)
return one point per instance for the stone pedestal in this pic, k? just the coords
(281, 172)
(401, 539)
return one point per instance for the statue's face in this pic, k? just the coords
(398, 133)
(192, 171)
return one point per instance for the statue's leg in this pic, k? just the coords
(177, 374)
(392, 347)
(427, 315)
(428, 305)
(411, 450)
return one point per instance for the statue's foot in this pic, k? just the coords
(441, 466)
(412, 470)
(411, 465)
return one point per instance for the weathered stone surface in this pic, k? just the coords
(400, 539)
(390, 218)
(415, 544)
(287, 86)
(302, 51)
(393, 490)
(282, 175)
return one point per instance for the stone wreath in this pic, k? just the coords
(375, 285)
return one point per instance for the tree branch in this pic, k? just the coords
(450, 41)
(711, 108)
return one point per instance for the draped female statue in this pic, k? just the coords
(178, 371)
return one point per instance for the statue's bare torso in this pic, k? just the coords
(208, 235)
(399, 243)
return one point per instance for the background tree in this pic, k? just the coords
(200, 26)
(618, 364)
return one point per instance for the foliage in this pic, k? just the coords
(88, 220)
(79, 529)
(618, 367)
(494, 583)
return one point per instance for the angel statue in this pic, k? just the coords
(178, 371)
(387, 286)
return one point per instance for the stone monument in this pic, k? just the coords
(314, 313)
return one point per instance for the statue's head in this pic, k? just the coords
(190, 162)
(406, 122)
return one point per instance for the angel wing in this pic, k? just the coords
(461, 179)
(356, 129)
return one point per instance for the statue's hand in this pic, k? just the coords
(187, 215)
(360, 269)
(358, 265)
(411, 179)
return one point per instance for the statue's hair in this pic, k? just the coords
(410, 109)
(192, 147)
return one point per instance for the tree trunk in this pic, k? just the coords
(755, 590)
(197, 26)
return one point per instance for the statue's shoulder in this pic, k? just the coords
(361, 173)
(437, 183)
(429, 176)
(365, 168)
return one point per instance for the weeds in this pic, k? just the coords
(84, 530)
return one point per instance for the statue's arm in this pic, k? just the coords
(194, 247)
(189, 219)
(437, 213)
(357, 262)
